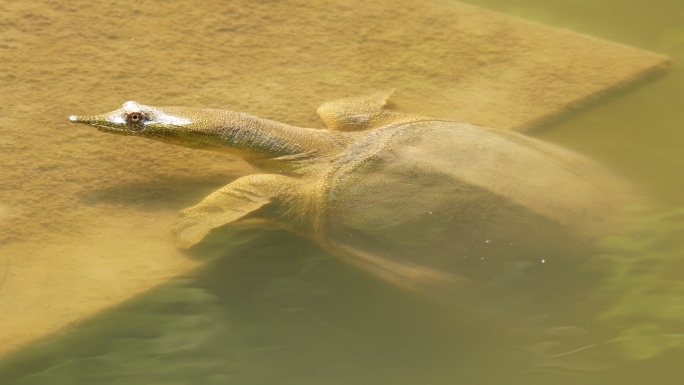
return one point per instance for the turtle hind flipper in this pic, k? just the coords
(441, 285)
(231, 203)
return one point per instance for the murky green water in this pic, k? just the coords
(267, 306)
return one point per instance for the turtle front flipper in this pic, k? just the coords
(233, 202)
(362, 113)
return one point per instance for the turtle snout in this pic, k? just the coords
(81, 119)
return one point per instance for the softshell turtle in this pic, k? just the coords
(412, 199)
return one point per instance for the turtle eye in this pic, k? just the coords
(134, 121)
(135, 117)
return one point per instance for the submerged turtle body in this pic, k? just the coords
(421, 203)
(409, 198)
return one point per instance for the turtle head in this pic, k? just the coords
(134, 119)
(215, 130)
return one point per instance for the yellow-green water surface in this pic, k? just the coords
(271, 308)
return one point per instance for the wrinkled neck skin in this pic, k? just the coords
(265, 143)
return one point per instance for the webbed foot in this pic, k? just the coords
(231, 203)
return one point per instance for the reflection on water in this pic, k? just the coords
(269, 307)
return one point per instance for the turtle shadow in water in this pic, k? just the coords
(504, 290)
(158, 194)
